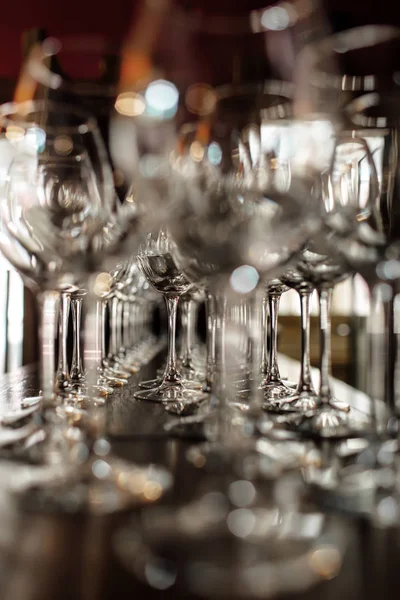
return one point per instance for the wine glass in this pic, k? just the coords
(319, 267)
(156, 260)
(50, 149)
(57, 200)
(370, 247)
(273, 98)
(367, 93)
(368, 57)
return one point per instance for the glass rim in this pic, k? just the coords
(342, 43)
(88, 123)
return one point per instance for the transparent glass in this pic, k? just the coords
(54, 201)
(156, 260)
(57, 204)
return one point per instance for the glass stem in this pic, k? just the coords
(325, 296)
(188, 323)
(62, 376)
(77, 374)
(91, 357)
(256, 326)
(391, 354)
(223, 377)
(374, 370)
(377, 375)
(48, 302)
(126, 317)
(264, 337)
(245, 317)
(99, 334)
(210, 341)
(273, 305)
(134, 338)
(171, 374)
(102, 328)
(120, 348)
(305, 384)
(112, 350)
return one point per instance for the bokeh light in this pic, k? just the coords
(201, 99)
(15, 133)
(244, 279)
(275, 18)
(63, 145)
(161, 99)
(130, 104)
(214, 153)
(196, 151)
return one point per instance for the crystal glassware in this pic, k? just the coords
(156, 260)
(57, 203)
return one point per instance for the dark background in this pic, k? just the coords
(112, 20)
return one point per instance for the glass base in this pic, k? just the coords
(113, 381)
(302, 403)
(189, 405)
(278, 397)
(150, 383)
(88, 402)
(328, 422)
(102, 486)
(127, 367)
(103, 390)
(276, 391)
(116, 373)
(172, 393)
(154, 383)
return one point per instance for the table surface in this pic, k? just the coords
(48, 557)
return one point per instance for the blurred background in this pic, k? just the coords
(23, 22)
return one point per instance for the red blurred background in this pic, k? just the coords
(112, 19)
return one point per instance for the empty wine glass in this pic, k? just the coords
(57, 201)
(320, 267)
(370, 247)
(46, 192)
(156, 260)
